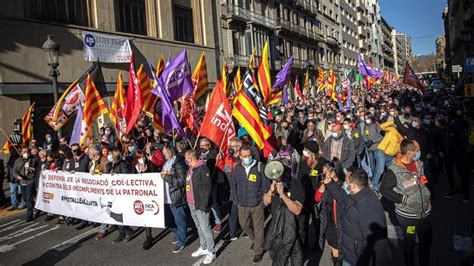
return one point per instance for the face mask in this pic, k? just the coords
(131, 149)
(334, 135)
(368, 121)
(107, 132)
(346, 127)
(330, 127)
(415, 124)
(202, 150)
(392, 113)
(48, 139)
(306, 153)
(247, 161)
(346, 188)
(230, 151)
(141, 161)
(418, 109)
(417, 156)
(109, 158)
(25, 156)
(426, 121)
(311, 128)
(338, 119)
(362, 119)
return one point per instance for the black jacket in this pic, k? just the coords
(420, 135)
(201, 178)
(176, 181)
(120, 167)
(250, 188)
(82, 165)
(364, 228)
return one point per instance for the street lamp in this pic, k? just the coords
(52, 48)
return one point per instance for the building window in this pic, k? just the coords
(131, 16)
(59, 11)
(184, 31)
(235, 42)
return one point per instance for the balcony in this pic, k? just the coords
(236, 60)
(331, 40)
(233, 12)
(360, 6)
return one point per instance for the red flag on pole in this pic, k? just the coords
(410, 78)
(134, 101)
(217, 124)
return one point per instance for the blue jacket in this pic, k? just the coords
(364, 228)
(250, 188)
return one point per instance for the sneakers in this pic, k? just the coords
(257, 258)
(12, 208)
(217, 228)
(466, 199)
(210, 257)
(199, 252)
(233, 237)
(22, 207)
(177, 249)
(100, 236)
(174, 242)
(450, 194)
(244, 235)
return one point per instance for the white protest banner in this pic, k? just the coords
(105, 48)
(122, 199)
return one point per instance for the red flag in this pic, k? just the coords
(297, 88)
(134, 102)
(410, 78)
(189, 115)
(218, 118)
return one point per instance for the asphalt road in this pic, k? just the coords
(46, 243)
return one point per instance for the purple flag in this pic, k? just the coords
(176, 78)
(283, 75)
(366, 70)
(76, 130)
(169, 119)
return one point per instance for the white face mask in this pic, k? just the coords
(141, 161)
(415, 124)
(306, 153)
(334, 135)
(346, 127)
(368, 121)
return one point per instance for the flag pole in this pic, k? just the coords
(220, 146)
(8, 140)
(197, 139)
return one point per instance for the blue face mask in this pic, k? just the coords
(247, 160)
(131, 149)
(346, 188)
(417, 156)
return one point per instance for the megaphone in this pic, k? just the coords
(274, 170)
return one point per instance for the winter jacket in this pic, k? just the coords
(372, 135)
(390, 143)
(357, 139)
(282, 238)
(249, 188)
(363, 228)
(68, 165)
(227, 166)
(120, 167)
(100, 166)
(177, 181)
(410, 195)
(347, 154)
(420, 135)
(201, 178)
(27, 175)
(327, 211)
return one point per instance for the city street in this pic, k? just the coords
(45, 243)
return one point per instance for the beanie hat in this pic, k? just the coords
(312, 146)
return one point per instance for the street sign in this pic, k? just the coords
(469, 64)
(456, 68)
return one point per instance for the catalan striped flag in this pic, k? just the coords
(276, 98)
(149, 99)
(26, 126)
(237, 81)
(160, 66)
(248, 111)
(331, 79)
(6, 147)
(199, 78)
(94, 107)
(264, 80)
(307, 82)
(251, 65)
(225, 78)
(118, 107)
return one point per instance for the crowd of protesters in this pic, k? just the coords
(392, 144)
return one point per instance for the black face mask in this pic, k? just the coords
(202, 150)
(231, 151)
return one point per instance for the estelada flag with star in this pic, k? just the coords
(410, 78)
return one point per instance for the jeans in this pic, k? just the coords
(215, 205)
(103, 228)
(371, 155)
(412, 228)
(13, 193)
(201, 219)
(27, 196)
(177, 222)
(382, 160)
(345, 263)
(234, 225)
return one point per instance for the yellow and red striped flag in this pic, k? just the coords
(276, 98)
(199, 78)
(264, 80)
(118, 107)
(224, 77)
(94, 107)
(252, 60)
(26, 126)
(307, 83)
(237, 81)
(149, 99)
(160, 66)
(6, 147)
(248, 112)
